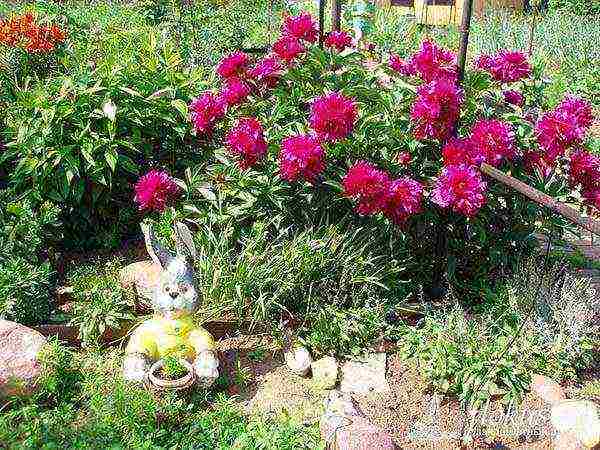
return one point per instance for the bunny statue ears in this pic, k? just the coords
(184, 244)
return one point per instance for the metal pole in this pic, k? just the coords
(464, 37)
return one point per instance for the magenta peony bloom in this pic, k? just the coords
(434, 63)
(339, 40)
(401, 66)
(301, 157)
(492, 141)
(506, 67)
(205, 111)
(155, 190)
(535, 161)
(267, 71)
(233, 65)
(461, 188)
(246, 141)
(301, 26)
(457, 152)
(368, 185)
(288, 48)
(436, 109)
(513, 97)
(584, 169)
(563, 127)
(592, 197)
(235, 91)
(332, 116)
(403, 199)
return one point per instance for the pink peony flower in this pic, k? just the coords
(513, 97)
(246, 140)
(233, 65)
(536, 162)
(339, 40)
(592, 197)
(403, 199)
(267, 71)
(235, 91)
(332, 116)
(506, 67)
(205, 111)
(461, 188)
(436, 109)
(492, 141)
(368, 185)
(288, 48)
(401, 66)
(563, 127)
(457, 152)
(584, 169)
(433, 63)
(301, 156)
(155, 190)
(301, 26)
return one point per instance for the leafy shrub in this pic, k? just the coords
(346, 115)
(25, 290)
(543, 323)
(100, 302)
(81, 140)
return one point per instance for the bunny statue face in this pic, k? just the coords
(175, 295)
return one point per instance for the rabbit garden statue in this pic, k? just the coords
(172, 329)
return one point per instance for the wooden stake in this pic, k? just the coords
(336, 14)
(321, 22)
(465, 25)
(543, 199)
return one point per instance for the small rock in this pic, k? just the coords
(298, 360)
(143, 277)
(344, 427)
(364, 375)
(325, 372)
(567, 441)
(547, 389)
(579, 418)
(19, 366)
(64, 294)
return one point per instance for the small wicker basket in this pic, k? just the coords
(160, 384)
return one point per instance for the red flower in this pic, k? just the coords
(403, 199)
(23, 32)
(332, 116)
(266, 71)
(235, 91)
(205, 111)
(506, 67)
(155, 190)
(301, 26)
(233, 65)
(492, 141)
(301, 156)
(246, 140)
(401, 66)
(457, 152)
(436, 109)
(368, 185)
(584, 169)
(288, 48)
(338, 40)
(592, 197)
(513, 97)
(461, 188)
(433, 63)
(535, 161)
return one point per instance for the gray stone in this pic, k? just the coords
(547, 389)
(19, 364)
(365, 374)
(298, 360)
(325, 372)
(579, 418)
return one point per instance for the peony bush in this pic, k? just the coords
(311, 134)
